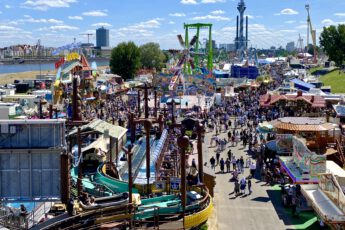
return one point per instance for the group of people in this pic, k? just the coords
(86, 199)
(239, 117)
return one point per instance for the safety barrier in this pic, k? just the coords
(198, 218)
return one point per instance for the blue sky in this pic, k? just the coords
(57, 22)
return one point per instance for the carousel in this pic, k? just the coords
(317, 131)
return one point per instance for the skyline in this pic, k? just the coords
(56, 23)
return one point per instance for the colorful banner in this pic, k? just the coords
(317, 164)
(306, 160)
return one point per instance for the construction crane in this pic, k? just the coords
(88, 37)
(312, 33)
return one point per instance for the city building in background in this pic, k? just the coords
(214, 44)
(290, 46)
(102, 37)
(227, 47)
(102, 42)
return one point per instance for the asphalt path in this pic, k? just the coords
(261, 209)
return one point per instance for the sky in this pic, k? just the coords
(58, 22)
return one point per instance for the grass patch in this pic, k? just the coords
(306, 220)
(336, 80)
(315, 70)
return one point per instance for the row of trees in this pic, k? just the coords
(332, 41)
(126, 58)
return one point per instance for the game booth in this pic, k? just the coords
(304, 166)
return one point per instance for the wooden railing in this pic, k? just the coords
(340, 151)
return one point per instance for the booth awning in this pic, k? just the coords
(70, 66)
(100, 126)
(305, 124)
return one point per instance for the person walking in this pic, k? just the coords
(229, 135)
(217, 157)
(234, 162)
(213, 163)
(243, 183)
(237, 188)
(229, 154)
(249, 186)
(252, 168)
(222, 164)
(241, 164)
(227, 163)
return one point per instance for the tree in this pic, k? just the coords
(332, 41)
(152, 56)
(125, 60)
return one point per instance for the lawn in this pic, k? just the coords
(335, 80)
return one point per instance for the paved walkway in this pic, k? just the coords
(259, 210)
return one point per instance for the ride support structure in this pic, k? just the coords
(199, 26)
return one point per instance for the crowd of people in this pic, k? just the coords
(237, 119)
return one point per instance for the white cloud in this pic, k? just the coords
(218, 12)
(154, 23)
(95, 13)
(256, 27)
(339, 14)
(212, 1)
(171, 22)
(228, 29)
(8, 6)
(89, 32)
(46, 4)
(102, 24)
(249, 16)
(189, 2)
(328, 22)
(288, 11)
(54, 21)
(142, 27)
(211, 17)
(290, 21)
(288, 31)
(75, 17)
(29, 19)
(8, 28)
(64, 27)
(304, 26)
(177, 15)
(141, 32)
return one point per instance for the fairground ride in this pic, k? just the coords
(199, 26)
(312, 33)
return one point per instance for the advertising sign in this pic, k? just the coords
(160, 186)
(175, 183)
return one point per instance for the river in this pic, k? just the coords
(16, 68)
